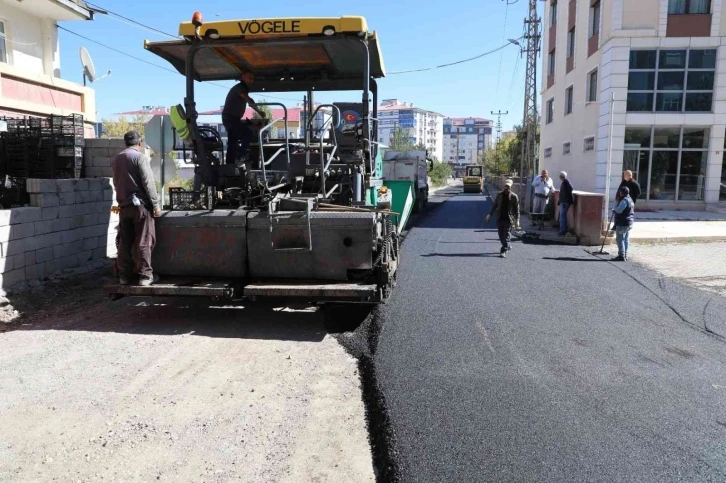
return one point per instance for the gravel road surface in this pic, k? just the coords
(550, 365)
(175, 390)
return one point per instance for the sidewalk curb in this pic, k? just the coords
(693, 239)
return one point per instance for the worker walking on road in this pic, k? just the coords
(506, 206)
(139, 202)
(624, 218)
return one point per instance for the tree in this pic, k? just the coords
(439, 173)
(120, 126)
(268, 115)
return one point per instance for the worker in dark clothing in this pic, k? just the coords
(506, 206)
(234, 109)
(139, 203)
(624, 214)
(631, 184)
(566, 200)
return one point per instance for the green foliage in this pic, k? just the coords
(116, 128)
(439, 173)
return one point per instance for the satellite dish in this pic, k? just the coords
(89, 71)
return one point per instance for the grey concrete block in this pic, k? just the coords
(107, 182)
(108, 195)
(11, 278)
(100, 253)
(34, 185)
(90, 220)
(66, 185)
(29, 258)
(17, 232)
(97, 143)
(96, 196)
(84, 209)
(50, 213)
(44, 254)
(42, 241)
(24, 215)
(8, 249)
(101, 161)
(85, 257)
(43, 227)
(6, 263)
(68, 211)
(60, 251)
(59, 264)
(67, 198)
(71, 235)
(103, 207)
(19, 261)
(76, 222)
(61, 224)
(83, 197)
(90, 243)
(95, 185)
(82, 184)
(43, 200)
(35, 271)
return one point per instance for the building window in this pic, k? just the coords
(568, 100)
(566, 148)
(595, 19)
(592, 86)
(571, 43)
(548, 152)
(550, 111)
(670, 161)
(676, 7)
(551, 67)
(553, 14)
(3, 44)
(589, 144)
(671, 80)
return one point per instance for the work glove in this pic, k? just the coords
(489, 217)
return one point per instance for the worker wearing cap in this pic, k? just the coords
(234, 109)
(139, 203)
(506, 206)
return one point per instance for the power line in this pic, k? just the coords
(101, 9)
(131, 56)
(501, 56)
(454, 63)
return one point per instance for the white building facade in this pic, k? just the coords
(466, 139)
(30, 83)
(639, 85)
(423, 127)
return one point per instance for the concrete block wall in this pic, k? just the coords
(97, 156)
(69, 224)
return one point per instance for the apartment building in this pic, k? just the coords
(639, 85)
(465, 139)
(30, 83)
(423, 127)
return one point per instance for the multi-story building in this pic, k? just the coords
(465, 139)
(422, 126)
(639, 85)
(30, 83)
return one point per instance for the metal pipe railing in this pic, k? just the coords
(267, 128)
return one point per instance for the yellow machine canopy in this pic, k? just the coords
(290, 54)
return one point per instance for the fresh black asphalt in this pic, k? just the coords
(549, 366)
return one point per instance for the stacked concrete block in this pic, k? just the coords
(69, 225)
(97, 156)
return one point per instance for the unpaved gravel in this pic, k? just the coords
(175, 390)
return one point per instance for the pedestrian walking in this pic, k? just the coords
(624, 219)
(566, 200)
(631, 184)
(543, 188)
(139, 202)
(506, 207)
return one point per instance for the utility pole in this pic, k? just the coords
(498, 127)
(529, 123)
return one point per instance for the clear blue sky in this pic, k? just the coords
(413, 34)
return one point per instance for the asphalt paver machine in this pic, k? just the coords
(305, 218)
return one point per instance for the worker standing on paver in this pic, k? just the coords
(506, 206)
(234, 109)
(139, 202)
(624, 219)
(566, 200)
(631, 184)
(543, 187)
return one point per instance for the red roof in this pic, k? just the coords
(151, 112)
(293, 113)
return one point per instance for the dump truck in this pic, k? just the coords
(306, 219)
(409, 166)
(474, 179)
